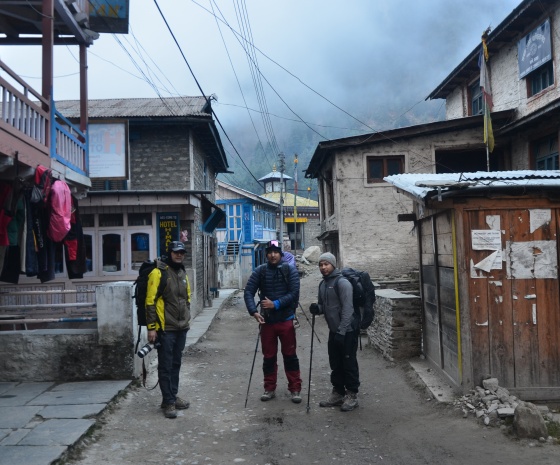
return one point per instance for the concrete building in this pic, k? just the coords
(360, 212)
(156, 186)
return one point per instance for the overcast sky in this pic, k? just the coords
(368, 57)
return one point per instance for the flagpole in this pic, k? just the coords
(486, 131)
(486, 97)
(295, 204)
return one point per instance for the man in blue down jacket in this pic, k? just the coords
(335, 302)
(278, 287)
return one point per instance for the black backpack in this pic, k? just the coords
(363, 294)
(139, 296)
(141, 288)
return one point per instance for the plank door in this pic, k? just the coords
(514, 297)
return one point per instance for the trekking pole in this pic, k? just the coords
(253, 365)
(307, 318)
(310, 362)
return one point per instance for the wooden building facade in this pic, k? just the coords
(488, 250)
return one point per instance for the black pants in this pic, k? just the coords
(345, 374)
(169, 363)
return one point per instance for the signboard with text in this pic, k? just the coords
(107, 150)
(168, 230)
(534, 49)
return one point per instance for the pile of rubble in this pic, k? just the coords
(495, 406)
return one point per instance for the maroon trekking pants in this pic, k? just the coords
(284, 332)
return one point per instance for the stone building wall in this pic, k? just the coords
(312, 231)
(159, 158)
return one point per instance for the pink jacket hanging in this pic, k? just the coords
(60, 205)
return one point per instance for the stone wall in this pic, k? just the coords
(312, 231)
(396, 330)
(160, 158)
(78, 354)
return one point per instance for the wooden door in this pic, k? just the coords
(512, 260)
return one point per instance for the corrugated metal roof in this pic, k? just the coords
(424, 185)
(245, 192)
(137, 107)
(275, 175)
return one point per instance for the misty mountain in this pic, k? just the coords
(301, 140)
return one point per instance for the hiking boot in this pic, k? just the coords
(350, 402)
(296, 397)
(268, 395)
(334, 400)
(181, 404)
(169, 411)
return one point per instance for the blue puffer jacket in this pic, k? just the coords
(271, 283)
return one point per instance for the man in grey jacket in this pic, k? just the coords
(335, 302)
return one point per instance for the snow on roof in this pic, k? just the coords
(423, 185)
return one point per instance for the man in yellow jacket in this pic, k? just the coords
(168, 317)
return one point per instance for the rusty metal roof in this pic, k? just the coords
(138, 107)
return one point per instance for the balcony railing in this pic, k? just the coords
(27, 115)
(23, 109)
(71, 144)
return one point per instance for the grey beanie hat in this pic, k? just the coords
(328, 257)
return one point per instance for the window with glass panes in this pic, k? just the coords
(541, 78)
(476, 99)
(234, 222)
(545, 153)
(379, 167)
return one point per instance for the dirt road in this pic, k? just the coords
(396, 423)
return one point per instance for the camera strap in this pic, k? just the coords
(145, 375)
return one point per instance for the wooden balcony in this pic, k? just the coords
(28, 125)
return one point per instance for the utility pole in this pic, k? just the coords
(295, 204)
(282, 167)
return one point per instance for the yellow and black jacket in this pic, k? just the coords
(171, 310)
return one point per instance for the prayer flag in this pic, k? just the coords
(486, 96)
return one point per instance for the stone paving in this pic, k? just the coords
(38, 421)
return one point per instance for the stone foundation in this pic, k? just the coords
(78, 354)
(396, 330)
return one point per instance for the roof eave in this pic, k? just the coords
(494, 42)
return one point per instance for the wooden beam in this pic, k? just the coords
(406, 217)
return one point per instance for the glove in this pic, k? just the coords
(339, 339)
(314, 309)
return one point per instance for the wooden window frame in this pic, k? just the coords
(548, 68)
(535, 144)
(384, 160)
(475, 95)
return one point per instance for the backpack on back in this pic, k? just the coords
(363, 294)
(141, 288)
(289, 258)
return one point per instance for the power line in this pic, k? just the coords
(247, 46)
(239, 84)
(199, 87)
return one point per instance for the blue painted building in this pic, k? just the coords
(250, 222)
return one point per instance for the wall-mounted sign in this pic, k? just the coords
(109, 16)
(107, 150)
(534, 49)
(258, 230)
(168, 230)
